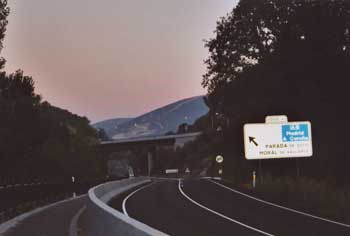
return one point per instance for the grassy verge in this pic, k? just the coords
(318, 198)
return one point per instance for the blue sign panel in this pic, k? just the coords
(295, 132)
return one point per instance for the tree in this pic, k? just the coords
(285, 57)
(102, 135)
(4, 12)
(19, 116)
(258, 32)
(183, 128)
(38, 140)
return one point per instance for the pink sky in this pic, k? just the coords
(112, 58)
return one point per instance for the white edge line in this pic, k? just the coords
(125, 199)
(119, 215)
(73, 227)
(5, 226)
(219, 214)
(279, 206)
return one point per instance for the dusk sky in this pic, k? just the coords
(112, 58)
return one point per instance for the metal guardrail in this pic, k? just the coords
(16, 199)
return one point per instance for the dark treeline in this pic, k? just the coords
(281, 57)
(289, 58)
(39, 141)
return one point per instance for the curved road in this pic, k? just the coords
(204, 207)
(51, 220)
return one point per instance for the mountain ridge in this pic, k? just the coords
(158, 121)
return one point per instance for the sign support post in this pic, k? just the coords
(220, 159)
(254, 179)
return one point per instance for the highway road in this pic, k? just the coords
(53, 220)
(206, 207)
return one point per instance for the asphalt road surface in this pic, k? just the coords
(52, 221)
(204, 207)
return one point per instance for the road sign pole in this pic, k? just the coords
(219, 160)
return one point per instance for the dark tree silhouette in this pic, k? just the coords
(37, 140)
(285, 57)
(4, 12)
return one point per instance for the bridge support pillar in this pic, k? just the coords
(150, 162)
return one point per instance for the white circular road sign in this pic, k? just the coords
(219, 159)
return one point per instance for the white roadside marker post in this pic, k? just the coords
(73, 182)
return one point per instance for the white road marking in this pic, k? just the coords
(124, 201)
(279, 206)
(73, 226)
(219, 214)
(6, 226)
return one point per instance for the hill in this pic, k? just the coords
(158, 122)
(111, 126)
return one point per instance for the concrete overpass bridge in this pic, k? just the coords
(151, 143)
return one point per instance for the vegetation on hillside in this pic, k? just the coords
(281, 58)
(39, 141)
(285, 57)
